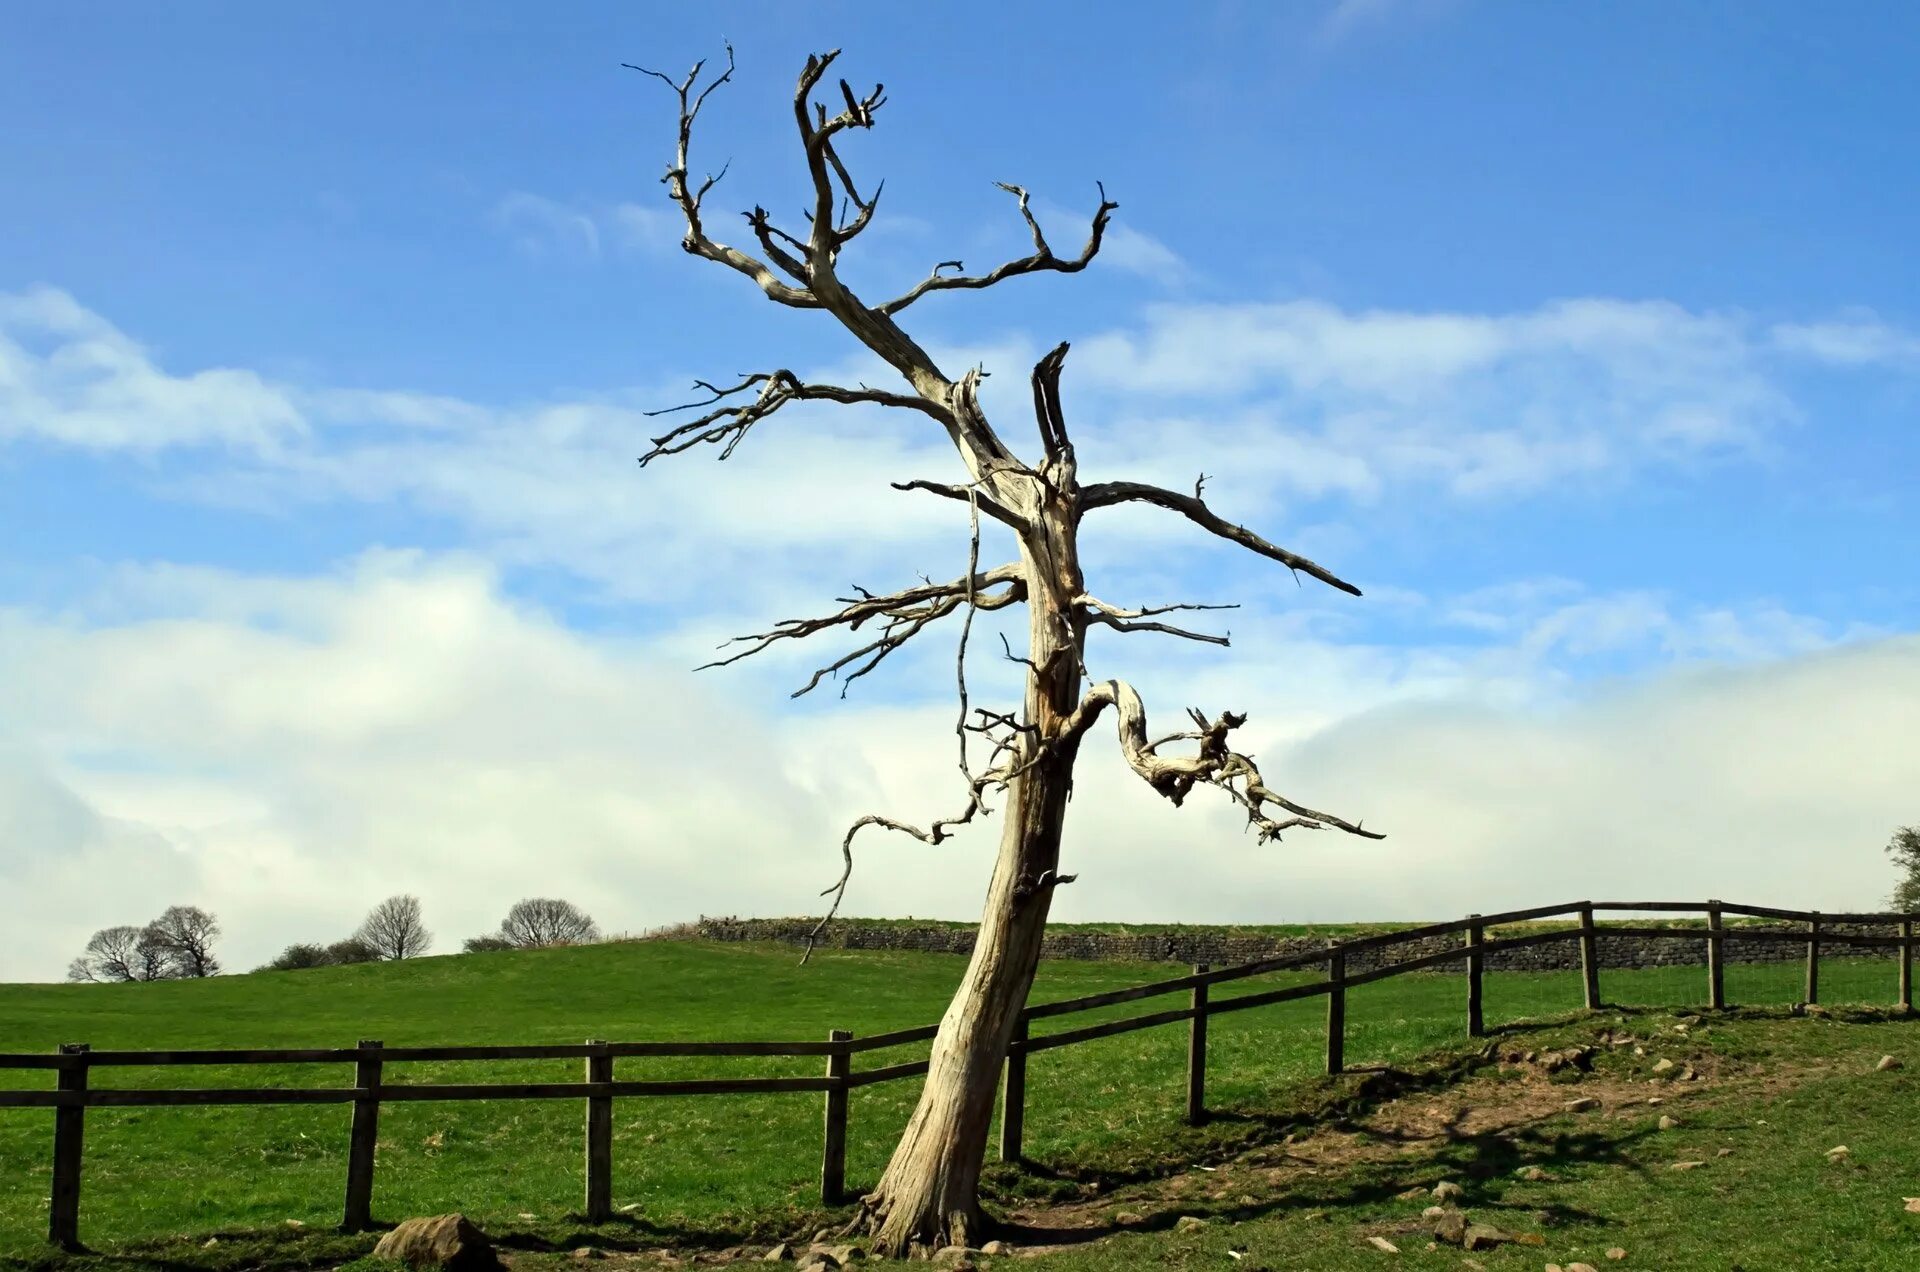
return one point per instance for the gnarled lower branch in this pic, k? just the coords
(1106, 494)
(1214, 763)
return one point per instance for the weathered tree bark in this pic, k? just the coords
(929, 1193)
(930, 1190)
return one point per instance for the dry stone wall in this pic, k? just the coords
(1221, 949)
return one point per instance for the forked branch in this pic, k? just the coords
(1041, 258)
(696, 239)
(900, 616)
(728, 425)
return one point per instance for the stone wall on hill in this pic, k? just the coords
(1223, 948)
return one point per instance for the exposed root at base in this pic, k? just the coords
(870, 1221)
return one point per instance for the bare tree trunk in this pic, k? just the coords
(930, 1190)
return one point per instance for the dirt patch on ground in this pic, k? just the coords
(1510, 1107)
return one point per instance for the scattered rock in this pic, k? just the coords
(1447, 1190)
(996, 1248)
(1668, 1123)
(1888, 1062)
(453, 1242)
(782, 1253)
(1616, 1253)
(211, 1242)
(1581, 1105)
(1411, 1194)
(1839, 1153)
(1189, 1223)
(1655, 1100)
(588, 1252)
(295, 1223)
(1581, 1267)
(822, 1263)
(1381, 1243)
(1725, 1152)
(950, 1255)
(840, 1254)
(1450, 1226)
(1662, 1065)
(1639, 1051)
(1532, 1174)
(1913, 1205)
(1688, 1074)
(1247, 1199)
(820, 1237)
(1128, 1219)
(627, 1209)
(1433, 1212)
(1484, 1236)
(1686, 1165)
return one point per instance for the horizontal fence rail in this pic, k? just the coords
(72, 1064)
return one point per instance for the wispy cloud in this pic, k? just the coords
(543, 227)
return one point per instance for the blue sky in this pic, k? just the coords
(1586, 339)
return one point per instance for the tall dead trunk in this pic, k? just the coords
(930, 1190)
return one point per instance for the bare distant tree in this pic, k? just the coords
(929, 1192)
(187, 934)
(124, 953)
(540, 921)
(394, 929)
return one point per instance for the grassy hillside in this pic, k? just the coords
(691, 1165)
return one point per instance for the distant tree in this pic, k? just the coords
(187, 934)
(351, 950)
(393, 930)
(124, 953)
(483, 944)
(297, 956)
(542, 921)
(1904, 848)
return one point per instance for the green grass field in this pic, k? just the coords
(701, 1170)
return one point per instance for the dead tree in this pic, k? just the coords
(929, 1192)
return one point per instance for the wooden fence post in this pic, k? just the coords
(833, 1155)
(1197, 1053)
(69, 1130)
(1476, 968)
(1813, 958)
(1716, 966)
(1337, 1012)
(360, 1143)
(1013, 1094)
(1906, 965)
(599, 1137)
(1589, 958)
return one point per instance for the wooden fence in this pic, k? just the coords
(598, 1089)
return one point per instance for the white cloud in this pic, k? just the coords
(1861, 340)
(69, 377)
(1317, 398)
(287, 751)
